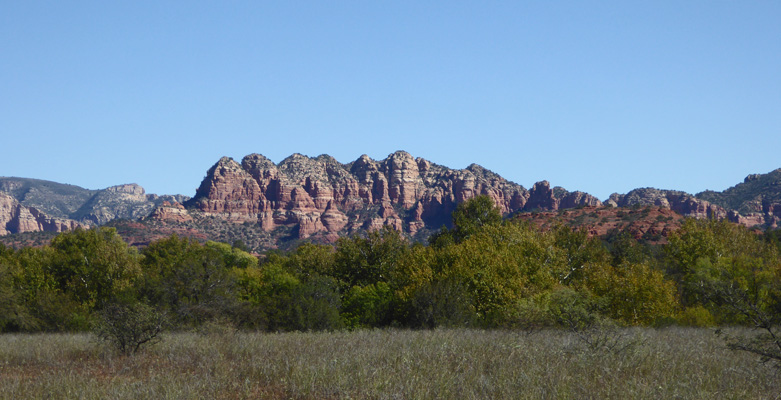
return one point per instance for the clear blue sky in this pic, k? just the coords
(597, 96)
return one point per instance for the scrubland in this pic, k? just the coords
(687, 363)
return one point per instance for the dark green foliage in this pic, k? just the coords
(193, 282)
(291, 292)
(239, 244)
(14, 315)
(773, 237)
(575, 310)
(442, 238)
(362, 261)
(318, 304)
(5, 252)
(443, 303)
(579, 251)
(625, 249)
(368, 306)
(311, 259)
(468, 218)
(285, 303)
(472, 215)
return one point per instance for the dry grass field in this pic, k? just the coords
(377, 364)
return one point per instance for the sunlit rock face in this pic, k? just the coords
(16, 218)
(322, 195)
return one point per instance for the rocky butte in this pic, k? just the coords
(322, 196)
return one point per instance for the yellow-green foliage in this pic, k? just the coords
(698, 316)
(726, 268)
(233, 256)
(93, 265)
(500, 265)
(634, 293)
(413, 272)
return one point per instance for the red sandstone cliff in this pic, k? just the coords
(322, 195)
(16, 218)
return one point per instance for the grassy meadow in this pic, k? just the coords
(685, 363)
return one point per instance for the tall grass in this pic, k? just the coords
(669, 363)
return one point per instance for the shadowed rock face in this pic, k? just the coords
(321, 195)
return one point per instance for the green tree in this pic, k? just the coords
(94, 265)
(716, 248)
(277, 300)
(625, 249)
(310, 259)
(232, 256)
(194, 282)
(634, 294)
(500, 265)
(579, 252)
(442, 303)
(368, 306)
(363, 261)
(468, 218)
(50, 307)
(737, 275)
(14, 314)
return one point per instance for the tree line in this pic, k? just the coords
(485, 271)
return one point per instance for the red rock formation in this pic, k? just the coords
(16, 218)
(171, 213)
(230, 191)
(333, 219)
(541, 197)
(317, 194)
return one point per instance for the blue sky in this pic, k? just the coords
(595, 96)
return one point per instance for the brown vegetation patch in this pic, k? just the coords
(651, 224)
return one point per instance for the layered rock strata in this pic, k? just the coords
(322, 195)
(171, 212)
